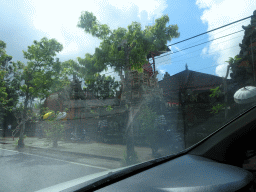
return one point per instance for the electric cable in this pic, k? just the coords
(200, 44)
(193, 51)
(193, 56)
(196, 51)
(211, 30)
(201, 49)
(218, 32)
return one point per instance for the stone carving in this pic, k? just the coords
(250, 33)
(246, 66)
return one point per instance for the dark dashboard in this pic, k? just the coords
(186, 173)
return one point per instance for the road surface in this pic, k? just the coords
(28, 172)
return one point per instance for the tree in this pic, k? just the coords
(142, 42)
(125, 50)
(238, 74)
(53, 128)
(40, 74)
(10, 76)
(102, 87)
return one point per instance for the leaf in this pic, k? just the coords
(140, 42)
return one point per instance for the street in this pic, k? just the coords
(28, 172)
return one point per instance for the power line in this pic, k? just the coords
(212, 44)
(182, 61)
(200, 44)
(211, 30)
(211, 66)
(195, 51)
(216, 33)
(210, 52)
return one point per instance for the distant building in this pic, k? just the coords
(174, 86)
(85, 111)
(187, 95)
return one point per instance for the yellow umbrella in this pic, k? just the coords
(47, 115)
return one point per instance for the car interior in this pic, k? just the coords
(224, 161)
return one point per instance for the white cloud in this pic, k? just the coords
(204, 51)
(58, 19)
(161, 73)
(70, 48)
(202, 4)
(221, 12)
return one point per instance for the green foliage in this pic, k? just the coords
(42, 71)
(54, 129)
(93, 111)
(109, 108)
(139, 41)
(216, 109)
(102, 87)
(239, 73)
(3, 93)
(20, 112)
(71, 67)
(90, 25)
(10, 77)
(232, 60)
(216, 92)
(88, 67)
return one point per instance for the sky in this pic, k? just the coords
(24, 21)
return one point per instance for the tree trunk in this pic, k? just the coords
(55, 143)
(128, 98)
(22, 129)
(130, 139)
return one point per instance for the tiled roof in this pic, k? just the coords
(190, 80)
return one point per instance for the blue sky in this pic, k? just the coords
(26, 20)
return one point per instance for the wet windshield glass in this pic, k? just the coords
(87, 88)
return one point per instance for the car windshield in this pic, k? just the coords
(91, 86)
